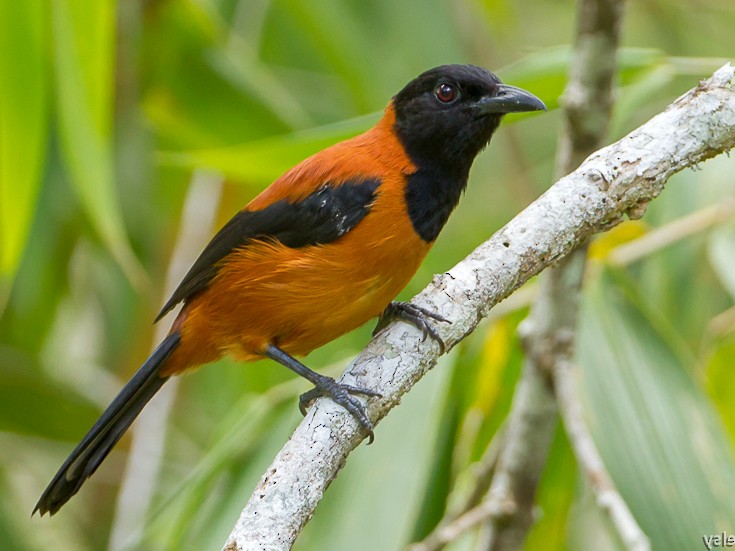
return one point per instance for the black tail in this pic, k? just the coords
(108, 429)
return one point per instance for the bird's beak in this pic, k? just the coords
(509, 99)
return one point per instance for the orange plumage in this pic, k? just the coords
(303, 298)
(321, 251)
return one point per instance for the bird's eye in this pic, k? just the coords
(446, 93)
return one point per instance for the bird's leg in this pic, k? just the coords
(326, 386)
(416, 316)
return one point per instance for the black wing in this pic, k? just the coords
(319, 218)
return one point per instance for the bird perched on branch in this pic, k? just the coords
(321, 251)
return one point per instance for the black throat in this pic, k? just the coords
(443, 165)
(431, 196)
(442, 140)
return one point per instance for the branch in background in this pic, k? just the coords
(472, 518)
(608, 498)
(672, 232)
(642, 247)
(149, 433)
(546, 333)
(472, 514)
(549, 331)
(614, 181)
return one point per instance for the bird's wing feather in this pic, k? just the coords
(321, 217)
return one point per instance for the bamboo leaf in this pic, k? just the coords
(655, 428)
(57, 412)
(84, 61)
(556, 494)
(23, 127)
(721, 383)
(266, 159)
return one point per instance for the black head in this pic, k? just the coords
(443, 119)
(447, 115)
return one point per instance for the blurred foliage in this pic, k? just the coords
(106, 109)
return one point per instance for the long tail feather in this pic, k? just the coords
(108, 429)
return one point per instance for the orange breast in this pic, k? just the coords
(302, 298)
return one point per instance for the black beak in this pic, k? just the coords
(509, 99)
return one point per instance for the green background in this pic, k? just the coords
(107, 112)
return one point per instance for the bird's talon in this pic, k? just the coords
(416, 316)
(341, 394)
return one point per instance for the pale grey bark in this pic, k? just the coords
(617, 180)
(590, 461)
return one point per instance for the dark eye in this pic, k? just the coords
(446, 93)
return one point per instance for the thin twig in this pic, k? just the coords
(670, 233)
(588, 458)
(473, 517)
(641, 248)
(454, 522)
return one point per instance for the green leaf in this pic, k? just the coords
(345, 42)
(555, 497)
(23, 127)
(11, 537)
(266, 159)
(84, 40)
(656, 430)
(638, 95)
(31, 404)
(721, 383)
(545, 72)
(238, 435)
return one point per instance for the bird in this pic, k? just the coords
(321, 251)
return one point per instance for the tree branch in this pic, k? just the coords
(616, 180)
(549, 331)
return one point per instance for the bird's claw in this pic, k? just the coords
(416, 316)
(341, 394)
